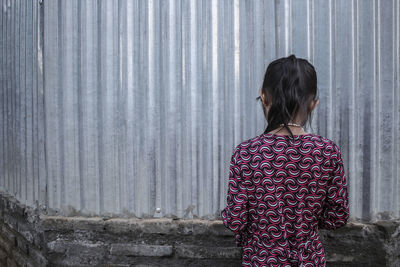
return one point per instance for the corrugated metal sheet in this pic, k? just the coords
(141, 103)
(22, 169)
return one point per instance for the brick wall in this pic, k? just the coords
(28, 238)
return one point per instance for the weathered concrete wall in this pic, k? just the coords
(22, 242)
(29, 238)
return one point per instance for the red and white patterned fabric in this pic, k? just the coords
(281, 191)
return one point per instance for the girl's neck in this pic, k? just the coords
(282, 131)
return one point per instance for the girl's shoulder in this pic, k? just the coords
(328, 145)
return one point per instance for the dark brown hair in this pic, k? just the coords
(290, 84)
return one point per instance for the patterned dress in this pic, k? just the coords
(281, 191)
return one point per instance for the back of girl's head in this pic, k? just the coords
(290, 84)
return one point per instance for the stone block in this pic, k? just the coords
(59, 223)
(22, 244)
(26, 231)
(114, 265)
(3, 201)
(141, 226)
(13, 206)
(80, 246)
(141, 250)
(10, 221)
(157, 226)
(122, 226)
(6, 244)
(3, 254)
(11, 263)
(38, 240)
(22, 259)
(201, 252)
(217, 228)
(192, 227)
(356, 242)
(8, 233)
(75, 252)
(37, 257)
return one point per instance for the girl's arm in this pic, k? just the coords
(335, 212)
(234, 215)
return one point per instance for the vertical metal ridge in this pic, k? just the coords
(6, 103)
(194, 115)
(60, 108)
(310, 30)
(372, 194)
(116, 107)
(171, 142)
(68, 110)
(23, 87)
(236, 57)
(200, 127)
(42, 200)
(80, 186)
(215, 102)
(149, 138)
(35, 103)
(311, 54)
(396, 106)
(183, 161)
(50, 98)
(180, 109)
(2, 78)
(2, 100)
(130, 105)
(117, 118)
(354, 127)
(99, 104)
(8, 134)
(121, 108)
(376, 97)
(330, 124)
(14, 99)
(110, 72)
(12, 102)
(288, 27)
(387, 23)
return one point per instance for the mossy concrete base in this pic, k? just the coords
(28, 238)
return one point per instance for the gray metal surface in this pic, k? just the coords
(122, 107)
(22, 169)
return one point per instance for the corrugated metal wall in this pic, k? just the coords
(22, 169)
(140, 103)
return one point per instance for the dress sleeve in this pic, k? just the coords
(335, 212)
(234, 215)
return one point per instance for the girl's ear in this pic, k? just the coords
(262, 97)
(313, 105)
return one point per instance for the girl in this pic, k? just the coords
(285, 184)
